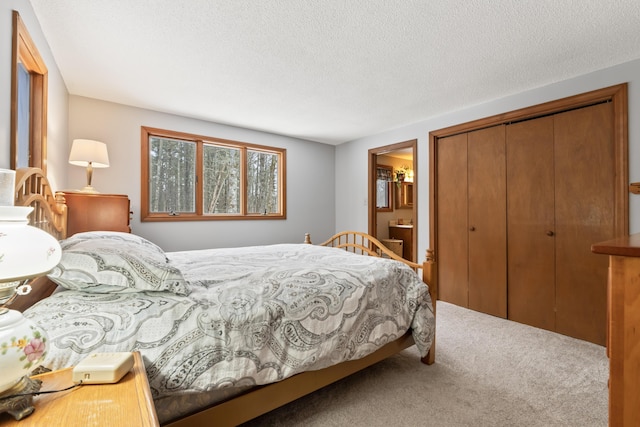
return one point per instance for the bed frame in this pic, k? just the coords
(50, 214)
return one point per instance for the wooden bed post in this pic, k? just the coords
(430, 277)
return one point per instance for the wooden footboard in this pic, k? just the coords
(364, 244)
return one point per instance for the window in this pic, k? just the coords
(193, 177)
(384, 190)
(28, 101)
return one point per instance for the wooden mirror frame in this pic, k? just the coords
(404, 195)
(26, 53)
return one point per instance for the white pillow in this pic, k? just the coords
(115, 262)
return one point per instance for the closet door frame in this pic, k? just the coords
(615, 94)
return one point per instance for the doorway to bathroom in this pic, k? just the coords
(393, 196)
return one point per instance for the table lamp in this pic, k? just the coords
(25, 252)
(90, 154)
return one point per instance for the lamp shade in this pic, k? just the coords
(85, 151)
(25, 251)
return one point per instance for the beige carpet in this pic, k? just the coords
(488, 372)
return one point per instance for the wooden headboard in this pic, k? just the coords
(49, 214)
(49, 210)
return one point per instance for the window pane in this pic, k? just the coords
(24, 111)
(221, 180)
(382, 194)
(262, 182)
(172, 175)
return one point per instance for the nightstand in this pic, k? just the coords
(97, 212)
(126, 403)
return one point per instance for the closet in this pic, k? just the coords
(518, 206)
(472, 220)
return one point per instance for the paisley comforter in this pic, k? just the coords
(254, 315)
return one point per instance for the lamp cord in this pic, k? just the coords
(36, 393)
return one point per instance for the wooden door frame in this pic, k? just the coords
(373, 155)
(616, 94)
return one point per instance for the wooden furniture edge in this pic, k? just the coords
(627, 246)
(623, 294)
(142, 383)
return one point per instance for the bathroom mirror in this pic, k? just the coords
(404, 196)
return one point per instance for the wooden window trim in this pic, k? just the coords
(25, 51)
(200, 140)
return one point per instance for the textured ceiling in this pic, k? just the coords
(329, 71)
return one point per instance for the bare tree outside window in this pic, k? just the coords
(172, 164)
(262, 182)
(221, 180)
(192, 177)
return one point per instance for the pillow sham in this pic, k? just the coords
(115, 262)
(127, 238)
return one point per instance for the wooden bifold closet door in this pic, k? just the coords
(471, 219)
(487, 221)
(560, 176)
(585, 203)
(519, 206)
(531, 222)
(453, 249)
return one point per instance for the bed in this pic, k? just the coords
(227, 334)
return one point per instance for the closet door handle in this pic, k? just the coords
(550, 233)
(472, 228)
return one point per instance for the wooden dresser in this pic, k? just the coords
(93, 212)
(623, 334)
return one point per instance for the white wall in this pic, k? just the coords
(310, 177)
(310, 166)
(57, 140)
(351, 211)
